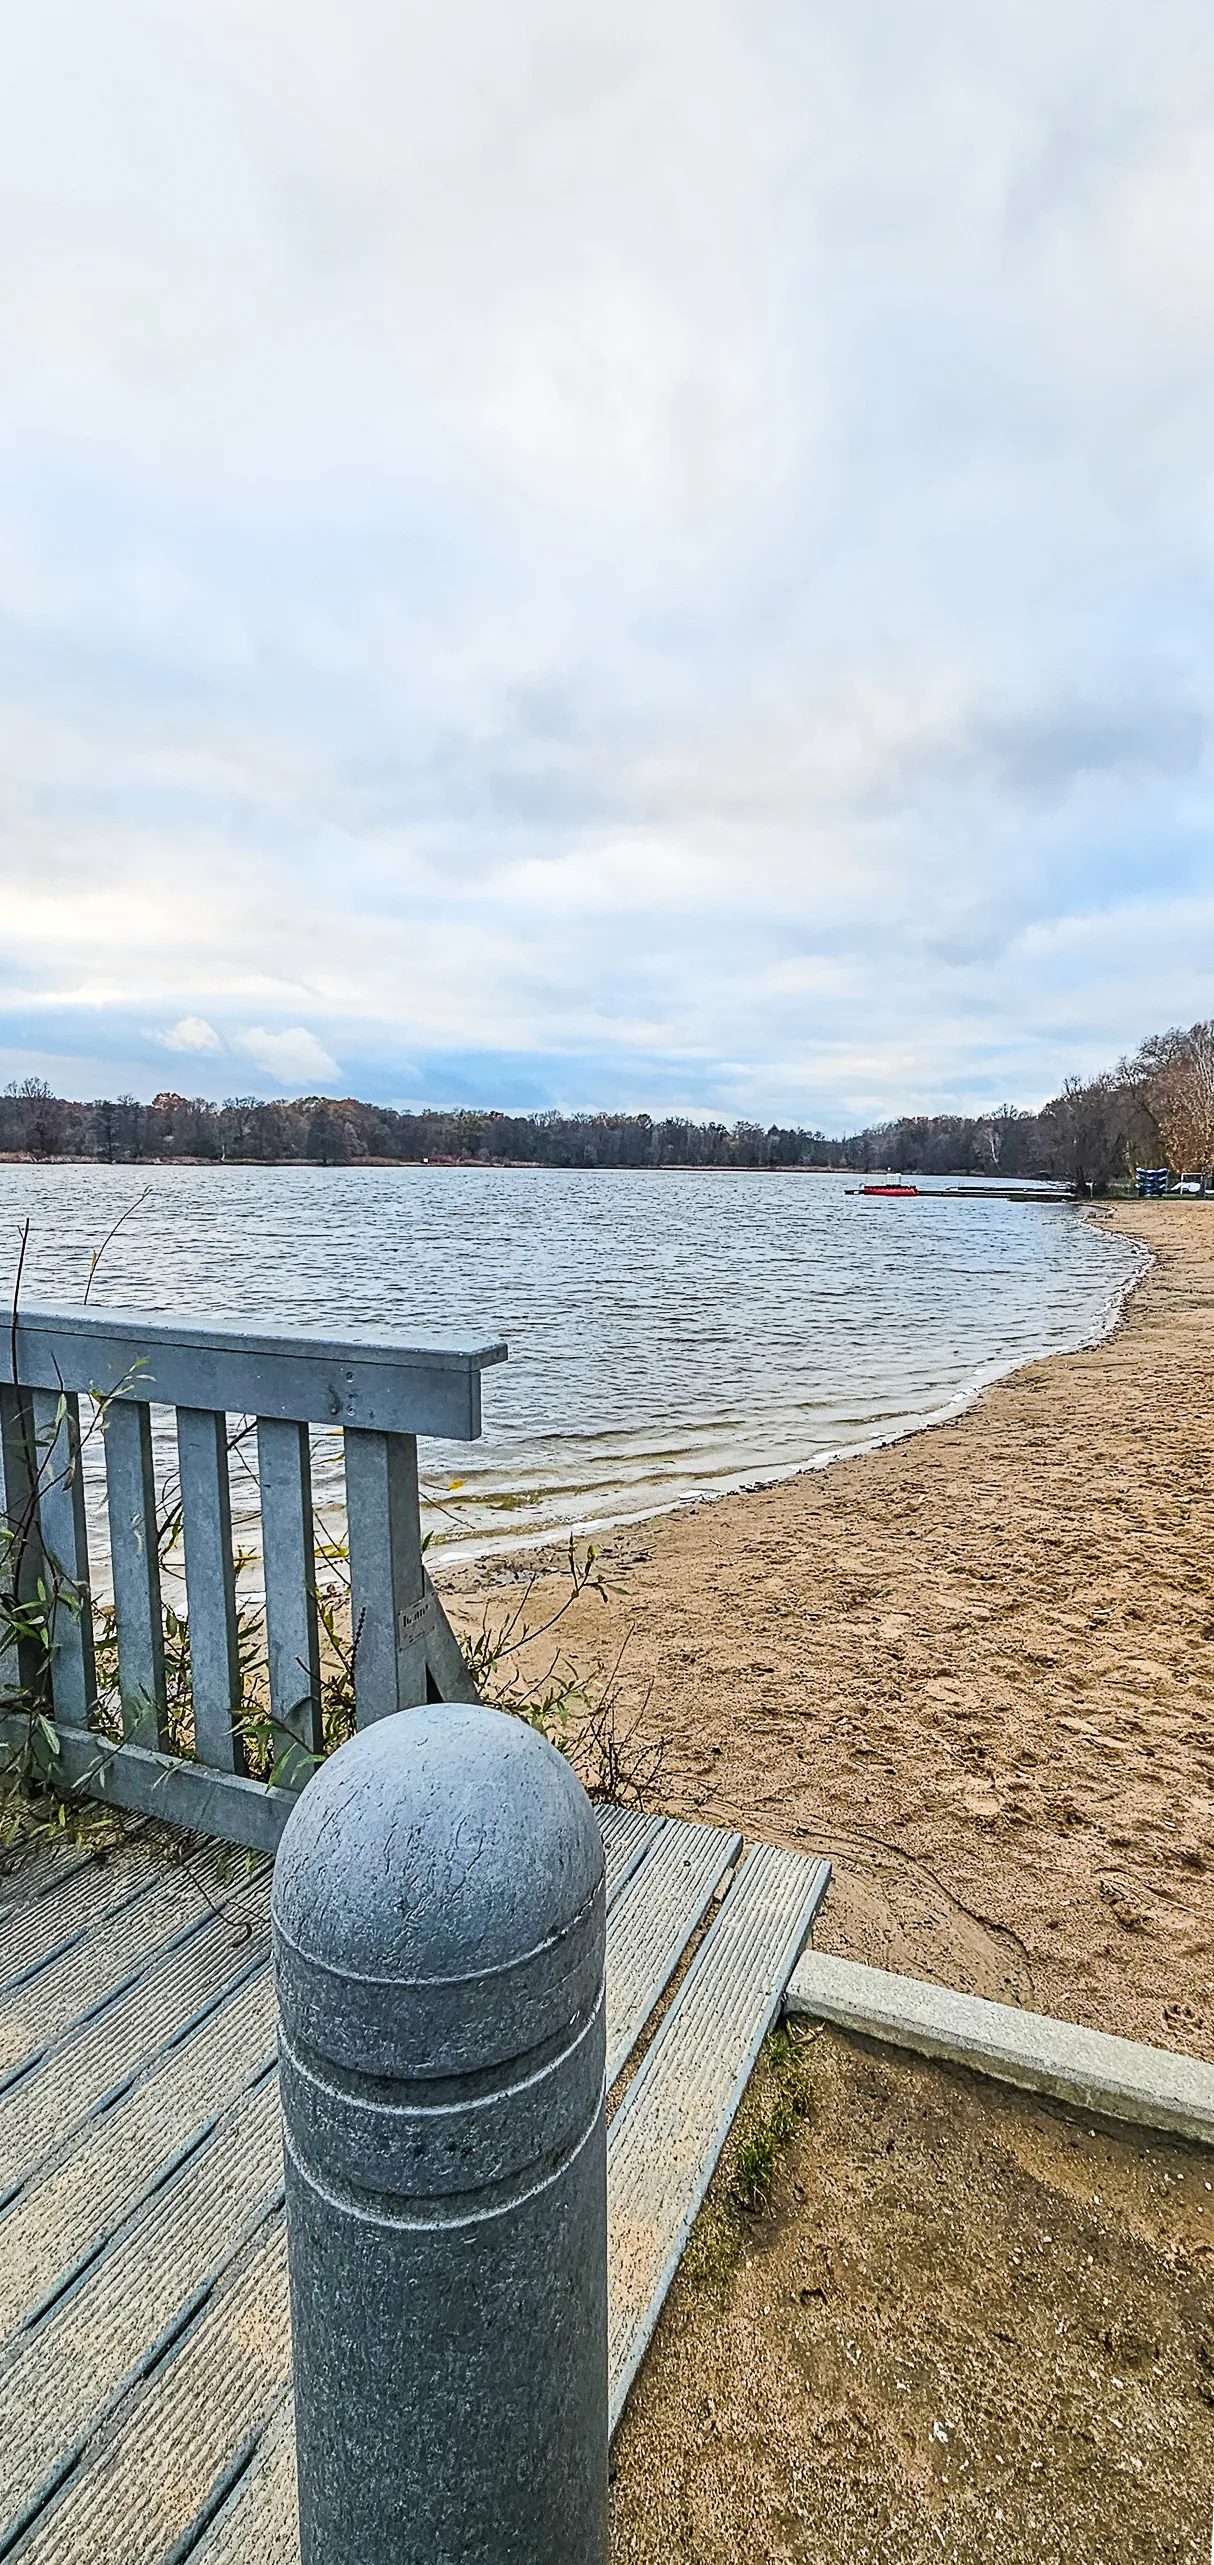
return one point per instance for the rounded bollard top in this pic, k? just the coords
(438, 1895)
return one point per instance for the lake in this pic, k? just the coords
(672, 1334)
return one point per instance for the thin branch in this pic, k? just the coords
(12, 1331)
(98, 1252)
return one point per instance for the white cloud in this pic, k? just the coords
(294, 1055)
(193, 1033)
(658, 546)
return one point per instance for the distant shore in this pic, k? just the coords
(482, 1166)
(976, 1667)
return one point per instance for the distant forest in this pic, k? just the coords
(1154, 1109)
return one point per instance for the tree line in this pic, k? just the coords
(1154, 1109)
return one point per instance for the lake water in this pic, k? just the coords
(672, 1335)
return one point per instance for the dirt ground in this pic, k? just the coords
(975, 1668)
(968, 2326)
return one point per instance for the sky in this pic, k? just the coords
(653, 557)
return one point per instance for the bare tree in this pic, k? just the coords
(1178, 1073)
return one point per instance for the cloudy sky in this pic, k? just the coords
(653, 555)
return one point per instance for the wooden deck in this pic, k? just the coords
(145, 2405)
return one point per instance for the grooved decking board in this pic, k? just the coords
(70, 2213)
(56, 1919)
(260, 2523)
(30, 1872)
(65, 2374)
(41, 2113)
(627, 1835)
(116, 1948)
(56, 1895)
(652, 1922)
(668, 2133)
(177, 2445)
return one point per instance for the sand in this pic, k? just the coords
(976, 1668)
(968, 2327)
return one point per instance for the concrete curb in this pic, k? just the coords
(1122, 2079)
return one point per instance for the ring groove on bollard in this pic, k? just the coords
(439, 1940)
(386, 2133)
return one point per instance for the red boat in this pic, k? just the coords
(900, 1192)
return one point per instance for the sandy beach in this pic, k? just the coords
(976, 1668)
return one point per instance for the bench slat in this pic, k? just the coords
(210, 1584)
(131, 1491)
(66, 1551)
(288, 1549)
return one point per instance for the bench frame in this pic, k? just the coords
(380, 1394)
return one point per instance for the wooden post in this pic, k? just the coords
(391, 1611)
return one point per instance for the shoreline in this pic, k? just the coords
(479, 1554)
(973, 1664)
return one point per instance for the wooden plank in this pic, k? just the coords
(360, 1379)
(668, 2133)
(23, 1665)
(391, 1615)
(210, 1584)
(206, 2405)
(64, 2220)
(100, 1885)
(118, 1947)
(226, 1804)
(131, 1489)
(260, 2521)
(163, 2007)
(288, 1550)
(66, 1553)
(57, 2388)
(30, 1873)
(627, 1835)
(653, 1921)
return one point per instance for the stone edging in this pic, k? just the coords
(1121, 2079)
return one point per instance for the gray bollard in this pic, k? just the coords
(439, 1938)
